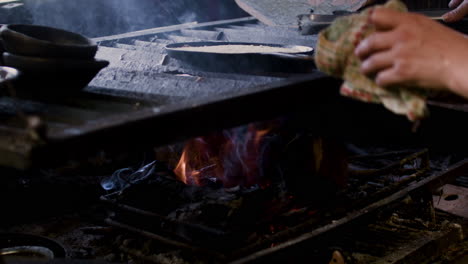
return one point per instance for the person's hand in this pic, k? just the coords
(459, 12)
(412, 50)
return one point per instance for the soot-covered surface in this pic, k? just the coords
(143, 82)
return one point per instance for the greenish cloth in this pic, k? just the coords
(334, 55)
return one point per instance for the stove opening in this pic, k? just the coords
(252, 187)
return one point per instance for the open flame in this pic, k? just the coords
(232, 157)
(263, 153)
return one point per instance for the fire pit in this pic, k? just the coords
(254, 224)
(320, 176)
(199, 207)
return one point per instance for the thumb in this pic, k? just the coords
(459, 13)
(454, 3)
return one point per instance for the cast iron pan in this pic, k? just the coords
(15, 247)
(34, 40)
(52, 76)
(253, 62)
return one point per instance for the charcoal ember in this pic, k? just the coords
(159, 194)
(230, 211)
(214, 209)
(208, 213)
(163, 193)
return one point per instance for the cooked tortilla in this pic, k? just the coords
(242, 49)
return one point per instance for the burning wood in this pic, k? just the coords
(259, 184)
(260, 154)
(233, 157)
(241, 183)
(243, 218)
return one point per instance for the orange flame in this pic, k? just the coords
(181, 168)
(191, 164)
(231, 158)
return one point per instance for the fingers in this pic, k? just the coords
(377, 63)
(454, 3)
(459, 13)
(402, 73)
(374, 43)
(385, 19)
(388, 77)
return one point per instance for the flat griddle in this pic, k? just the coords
(301, 62)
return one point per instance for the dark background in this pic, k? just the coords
(107, 17)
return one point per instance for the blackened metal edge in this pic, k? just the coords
(153, 31)
(310, 24)
(456, 107)
(154, 126)
(432, 182)
(302, 85)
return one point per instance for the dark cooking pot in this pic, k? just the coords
(8, 76)
(32, 40)
(52, 74)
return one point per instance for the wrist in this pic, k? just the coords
(455, 73)
(459, 86)
(457, 80)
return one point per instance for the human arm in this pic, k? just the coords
(413, 50)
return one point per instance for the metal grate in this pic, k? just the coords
(383, 187)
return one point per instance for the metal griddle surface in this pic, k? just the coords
(145, 97)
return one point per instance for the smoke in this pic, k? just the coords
(187, 17)
(95, 18)
(126, 177)
(100, 17)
